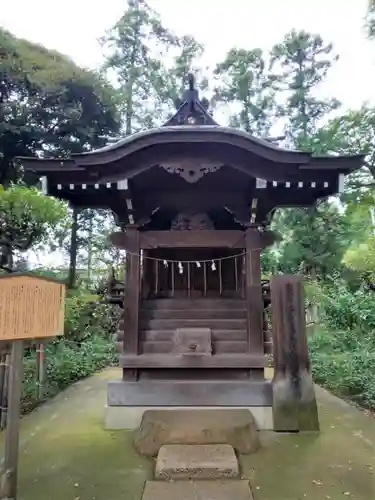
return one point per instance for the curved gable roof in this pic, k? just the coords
(190, 134)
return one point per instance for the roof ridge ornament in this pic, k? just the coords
(191, 110)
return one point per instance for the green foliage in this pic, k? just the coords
(245, 82)
(26, 216)
(314, 240)
(87, 346)
(300, 63)
(132, 47)
(66, 362)
(85, 316)
(48, 105)
(343, 350)
(370, 19)
(361, 258)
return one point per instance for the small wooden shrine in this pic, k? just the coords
(193, 200)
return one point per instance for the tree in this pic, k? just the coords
(243, 81)
(26, 218)
(48, 105)
(136, 45)
(170, 83)
(353, 133)
(316, 238)
(370, 19)
(300, 63)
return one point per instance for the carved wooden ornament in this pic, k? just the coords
(192, 222)
(191, 171)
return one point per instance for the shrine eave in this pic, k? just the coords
(190, 134)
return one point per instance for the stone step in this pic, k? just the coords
(226, 313)
(198, 490)
(192, 322)
(165, 346)
(193, 304)
(199, 461)
(217, 334)
(235, 427)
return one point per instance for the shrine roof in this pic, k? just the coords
(193, 132)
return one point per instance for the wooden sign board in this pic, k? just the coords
(31, 307)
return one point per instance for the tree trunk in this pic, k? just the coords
(6, 258)
(89, 251)
(73, 250)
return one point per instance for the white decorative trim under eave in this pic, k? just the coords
(122, 185)
(260, 183)
(254, 205)
(341, 183)
(263, 184)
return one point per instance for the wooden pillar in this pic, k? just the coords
(294, 404)
(253, 292)
(131, 299)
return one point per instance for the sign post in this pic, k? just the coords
(31, 307)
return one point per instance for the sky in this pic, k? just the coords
(74, 26)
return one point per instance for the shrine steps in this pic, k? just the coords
(159, 319)
(226, 319)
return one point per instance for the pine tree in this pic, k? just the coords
(299, 64)
(136, 45)
(316, 237)
(244, 83)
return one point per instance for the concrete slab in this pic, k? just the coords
(198, 490)
(212, 461)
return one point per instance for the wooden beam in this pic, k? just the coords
(182, 239)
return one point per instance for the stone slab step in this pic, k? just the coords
(198, 490)
(200, 461)
(235, 427)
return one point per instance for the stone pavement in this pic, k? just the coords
(67, 455)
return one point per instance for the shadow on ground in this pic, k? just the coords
(67, 455)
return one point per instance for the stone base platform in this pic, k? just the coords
(232, 393)
(203, 461)
(230, 489)
(130, 417)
